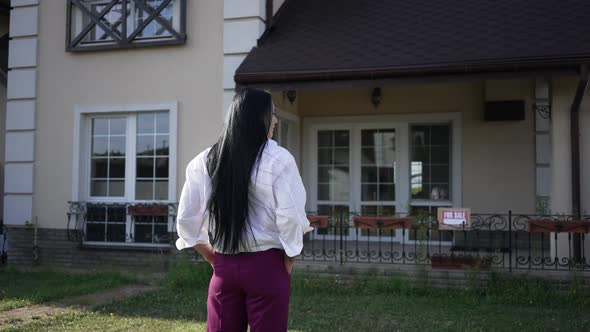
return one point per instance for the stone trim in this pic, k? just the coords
(243, 24)
(20, 113)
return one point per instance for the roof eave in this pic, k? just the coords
(438, 71)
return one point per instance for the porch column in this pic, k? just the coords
(561, 189)
(543, 149)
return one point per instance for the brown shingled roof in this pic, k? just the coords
(329, 40)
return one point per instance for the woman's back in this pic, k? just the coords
(275, 191)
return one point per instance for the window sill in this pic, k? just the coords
(116, 46)
(125, 246)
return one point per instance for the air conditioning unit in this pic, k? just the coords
(504, 110)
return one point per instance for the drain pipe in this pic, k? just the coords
(35, 246)
(269, 14)
(575, 146)
(3, 254)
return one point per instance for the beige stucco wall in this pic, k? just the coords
(282, 102)
(498, 157)
(190, 74)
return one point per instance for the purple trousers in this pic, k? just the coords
(249, 288)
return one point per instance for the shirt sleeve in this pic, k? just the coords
(192, 222)
(291, 217)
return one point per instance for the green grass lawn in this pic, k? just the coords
(361, 304)
(21, 289)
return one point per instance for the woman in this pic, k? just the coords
(247, 193)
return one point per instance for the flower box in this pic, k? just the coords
(318, 221)
(148, 210)
(382, 223)
(460, 262)
(558, 226)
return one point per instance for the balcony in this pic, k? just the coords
(118, 24)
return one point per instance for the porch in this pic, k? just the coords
(397, 113)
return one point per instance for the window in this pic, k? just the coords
(108, 24)
(106, 223)
(333, 186)
(153, 28)
(107, 160)
(286, 132)
(111, 19)
(282, 133)
(152, 156)
(378, 172)
(127, 175)
(150, 229)
(333, 166)
(430, 175)
(110, 159)
(430, 162)
(393, 165)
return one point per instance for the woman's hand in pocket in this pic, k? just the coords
(206, 250)
(289, 262)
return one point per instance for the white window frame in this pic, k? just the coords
(312, 167)
(401, 123)
(81, 158)
(293, 122)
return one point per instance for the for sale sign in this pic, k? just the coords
(453, 218)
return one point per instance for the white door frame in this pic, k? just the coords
(401, 123)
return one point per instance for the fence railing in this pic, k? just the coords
(511, 241)
(121, 222)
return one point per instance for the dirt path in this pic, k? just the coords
(72, 304)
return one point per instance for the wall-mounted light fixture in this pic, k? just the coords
(291, 95)
(376, 97)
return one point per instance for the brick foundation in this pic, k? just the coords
(56, 250)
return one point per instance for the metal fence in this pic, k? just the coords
(124, 222)
(511, 241)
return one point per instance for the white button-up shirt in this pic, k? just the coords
(277, 204)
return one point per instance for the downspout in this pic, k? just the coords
(269, 13)
(575, 146)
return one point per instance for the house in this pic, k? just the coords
(391, 108)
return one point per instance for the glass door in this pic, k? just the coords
(356, 175)
(386, 167)
(377, 181)
(333, 188)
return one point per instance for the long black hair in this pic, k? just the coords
(230, 163)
